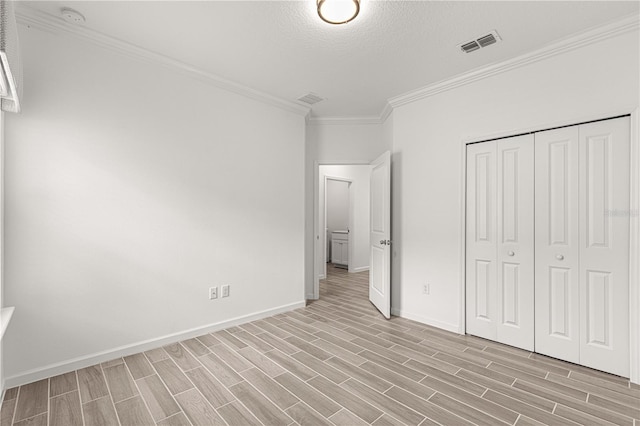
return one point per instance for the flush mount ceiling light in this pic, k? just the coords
(338, 11)
(72, 16)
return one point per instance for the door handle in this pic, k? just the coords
(385, 242)
(559, 257)
(510, 253)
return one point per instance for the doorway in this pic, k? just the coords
(370, 231)
(342, 231)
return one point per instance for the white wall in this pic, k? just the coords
(131, 189)
(359, 203)
(334, 144)
(2, 305)
(337, 192)
(427, 157)
(347, 143)
(387, 132)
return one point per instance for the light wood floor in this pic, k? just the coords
(334, 362)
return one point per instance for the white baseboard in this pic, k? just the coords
(425, 320)
(360, 269)
(134, 348)
(322, 276)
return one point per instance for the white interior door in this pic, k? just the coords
(570, 185)
(582, 244)
(499, 241)
(380, 235)
(515, 242)
(556, 300)
(481, 245)
(604, 245)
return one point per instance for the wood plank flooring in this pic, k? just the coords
(334, 362)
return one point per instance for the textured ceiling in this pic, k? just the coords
(284, 49)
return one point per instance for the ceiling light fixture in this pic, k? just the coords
(72, 16)
(338, 11)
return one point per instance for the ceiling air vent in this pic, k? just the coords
(310, 98)
(470, 47)
(487, 40)
(480, 42)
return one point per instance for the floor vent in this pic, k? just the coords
(480, 42)
(310, 98)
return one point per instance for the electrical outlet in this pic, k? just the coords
(425, 289)
(213, 293)
(225, 290)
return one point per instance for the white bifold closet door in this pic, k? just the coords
(500, 241)
(582, 244)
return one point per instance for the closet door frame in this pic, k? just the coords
(634, 218)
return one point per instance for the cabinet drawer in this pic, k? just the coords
(339, 236)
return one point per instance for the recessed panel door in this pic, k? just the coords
(499, 241)
(481, 240)
(380, 235)
(515, 242)
(556, 244)
(604, 245)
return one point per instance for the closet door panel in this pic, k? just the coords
(481, 241)
(604, 245)
(556, 244)
(515, 235)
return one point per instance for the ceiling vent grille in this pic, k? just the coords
(487, 40)
(470, 47)
(480, 42)
(310, 98)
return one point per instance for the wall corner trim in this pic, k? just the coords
(634, 250)
(134, 348)
(576, 41)
(31, 17)
(386, 112)
(453, 328)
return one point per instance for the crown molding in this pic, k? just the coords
(31, 17)
(576, 41)
(28, 16)
(386, 112)
(344, 121)
(613, 29)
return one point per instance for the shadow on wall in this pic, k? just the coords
(396, 230)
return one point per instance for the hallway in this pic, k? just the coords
(345, 289)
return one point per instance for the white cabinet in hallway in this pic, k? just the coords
(340, 248)
(561, 290)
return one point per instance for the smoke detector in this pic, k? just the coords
(310, 98)
(72, 16)
(480, 42)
